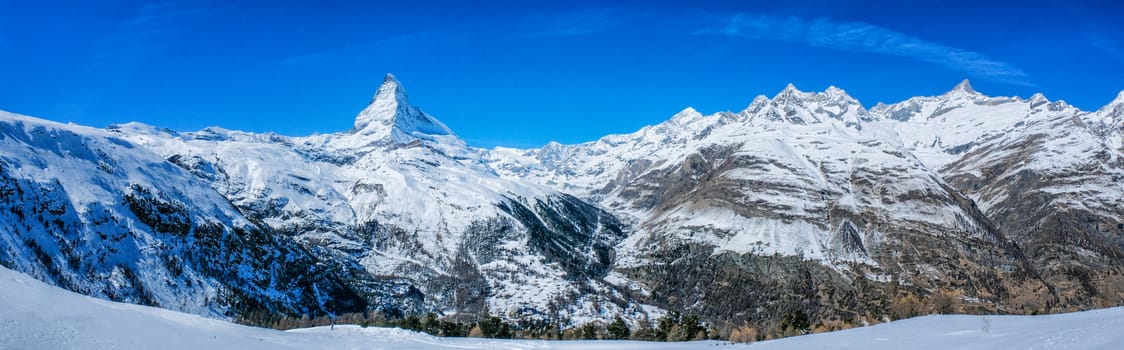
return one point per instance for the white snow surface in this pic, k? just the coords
(34, 315)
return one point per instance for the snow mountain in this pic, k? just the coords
(92, 212)
(391, 119)
(402, 196)
(398, 212)
(1012, 204)
(802, 203)
(1047, 174)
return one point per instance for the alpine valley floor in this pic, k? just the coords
(38, 316)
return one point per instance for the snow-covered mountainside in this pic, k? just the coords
(803, 204)
(803, 164)
(402, 196)
(88, 210)
(1049, 175)
(918, 197)
(37, 316)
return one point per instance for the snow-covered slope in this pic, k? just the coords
(887, 195)
(805, 202)
(1048, 174)
(401, 195)
(88, 210)
(34, 315)
(789, 175)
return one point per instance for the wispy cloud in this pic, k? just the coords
(1109, 46)
(864, 37)
(577, 23)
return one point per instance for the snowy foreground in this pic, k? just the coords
(34, 315)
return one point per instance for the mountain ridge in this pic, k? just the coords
(850, 210)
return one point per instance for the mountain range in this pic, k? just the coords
(804, 203)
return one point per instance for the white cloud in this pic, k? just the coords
(577, 23)
(864, 37)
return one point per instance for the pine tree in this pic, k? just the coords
(618, 329)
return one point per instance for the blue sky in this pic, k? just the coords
(522, 73)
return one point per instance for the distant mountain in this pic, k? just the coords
(802, 204)
(809, 202)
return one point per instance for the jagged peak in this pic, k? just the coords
(838, 95)
(759, 102)
(387, 99)
(1038, 99)
(964, 88)
(390, 114)
(790, 90)
(791, 94)
(390, 89)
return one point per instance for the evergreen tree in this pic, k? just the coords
(618, 329)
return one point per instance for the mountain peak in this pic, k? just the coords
(390, 88)
(1038, 99)
(390, 114)
(686, 115)
(836, 94)
(790, 94)
(964, 88)
(790, 89)
(1116, 107)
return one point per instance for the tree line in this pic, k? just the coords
(673, 326)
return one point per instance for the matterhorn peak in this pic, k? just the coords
(962, 89)
(390, 89)
(387, 100)
(390, 115)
